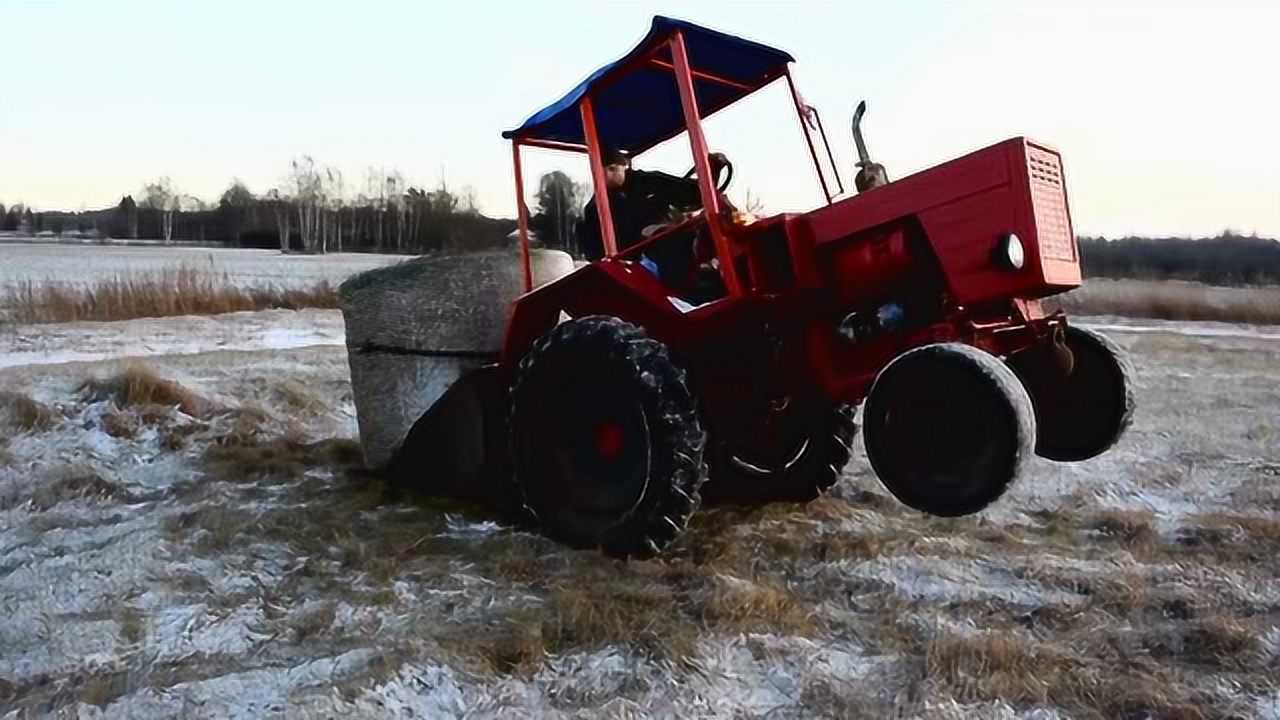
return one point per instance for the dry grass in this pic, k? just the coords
(662, 611)
(241, 457)
(63, 483)
(310, 621)
(121, 425)
(295, 397)
(1263, 533)
(133, 624)
(136, 385)
(995, 664)
(1218, 642)
(213, 528)
(1135, 529)
(176, 291)
(646, 616)
(20, 412)
(1229, 537)
(740, 604)
(104, 688)
(1171, 300)
(1014, 668)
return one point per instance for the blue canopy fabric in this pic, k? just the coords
(641, 107)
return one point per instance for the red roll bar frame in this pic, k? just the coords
(684, 77)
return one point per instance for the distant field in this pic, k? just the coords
(1173, 300)
(25, 268)
(77, 265)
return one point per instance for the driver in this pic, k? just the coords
(626, 227)
(641, 202)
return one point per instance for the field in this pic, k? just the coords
(185, 531)
(1172, 300)
(77, 265)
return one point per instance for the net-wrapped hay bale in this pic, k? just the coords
(414, 328)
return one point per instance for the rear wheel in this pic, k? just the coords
(948, 428)
(1083, 399)
(792, 453)
(606, 441)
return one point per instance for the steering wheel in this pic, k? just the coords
(723, 162)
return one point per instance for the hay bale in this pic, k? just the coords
(414, 328)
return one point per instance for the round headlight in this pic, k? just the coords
(1011, 253)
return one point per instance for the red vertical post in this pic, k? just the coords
(813, 153)
(702, 163)
(597, 177)
(522, 214)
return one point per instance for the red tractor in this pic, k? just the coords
(625, 398)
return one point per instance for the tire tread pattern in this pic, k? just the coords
(989, 368)
(676, 432)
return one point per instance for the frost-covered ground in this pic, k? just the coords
(228, 559)
(86, 341)
(76, 264)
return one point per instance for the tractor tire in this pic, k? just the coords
(948, 428)
(606, 441)
(803, 472)
(1082, 413)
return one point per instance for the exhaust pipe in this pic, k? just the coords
(870, 174)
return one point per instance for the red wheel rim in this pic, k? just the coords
(609, 440)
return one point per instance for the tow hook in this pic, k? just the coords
(1062, 354)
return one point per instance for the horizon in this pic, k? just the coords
(163, 99)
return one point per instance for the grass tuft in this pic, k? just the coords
(995, 664)
(137, 385)
(1229, 537)
(64, 483)
(1133, 528)
(643, 615)
(20, 412)
(738, 603)
(1218, 642)
(245, 456)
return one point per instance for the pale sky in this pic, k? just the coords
(1167, 113)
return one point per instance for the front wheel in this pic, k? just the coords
(1083, 398)
(606, 441)
(948, 428)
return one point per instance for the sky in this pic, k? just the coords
(1167, 114)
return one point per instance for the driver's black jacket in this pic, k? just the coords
(644, 199)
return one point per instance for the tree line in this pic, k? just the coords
(316, 210)
(1228, 259)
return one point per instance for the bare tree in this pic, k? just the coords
(469, 204)
(281, 207)
(378, 199)
(396, 201)
(334, 190)
(305, 183)
(160, 195)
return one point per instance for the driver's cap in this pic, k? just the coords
(613, 156)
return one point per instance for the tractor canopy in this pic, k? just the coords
(636, 100)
